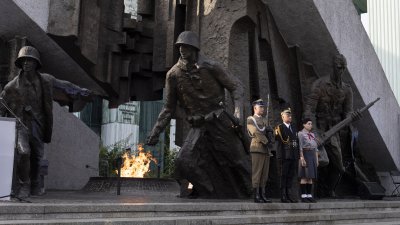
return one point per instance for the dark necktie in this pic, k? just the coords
(290, 128)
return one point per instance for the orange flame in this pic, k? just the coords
(136, 166)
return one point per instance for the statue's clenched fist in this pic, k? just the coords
(152, 140)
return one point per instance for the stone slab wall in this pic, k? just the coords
(73, 153)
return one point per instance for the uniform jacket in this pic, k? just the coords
(199, 89)
(15, 96)
(328, 104)
(259, 139)
(285, 149)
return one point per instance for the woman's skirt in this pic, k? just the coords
(310, 170)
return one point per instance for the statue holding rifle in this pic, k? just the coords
(330, 106)
(29, 98)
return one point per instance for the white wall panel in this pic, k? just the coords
(383, 27)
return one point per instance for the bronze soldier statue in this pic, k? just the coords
(331, 101)
(29, 96)
(260, 150)
(213, 157)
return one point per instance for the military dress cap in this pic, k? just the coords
(286, 111)
(28, 52)
(259, 102)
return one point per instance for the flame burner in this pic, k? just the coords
(133, 186)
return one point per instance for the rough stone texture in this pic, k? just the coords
(73, 147)
(54, 59)
(64, 17)
(217, 19)
(99, 46)
(160, 26)
(89, 29)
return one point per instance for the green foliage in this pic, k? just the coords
(107, 161)
(169, 162)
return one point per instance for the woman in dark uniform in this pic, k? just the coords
(308, 164)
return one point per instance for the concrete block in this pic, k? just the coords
(73, 153)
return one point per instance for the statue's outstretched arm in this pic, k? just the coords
(167, 111)
(70, 88)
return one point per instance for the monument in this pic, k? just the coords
(213, 157)
(29, 98)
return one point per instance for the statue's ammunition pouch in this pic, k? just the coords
(199, 120)
(196, 121)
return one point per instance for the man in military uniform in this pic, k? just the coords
(288, 153)
(30, 97)
(213, 157)
(260, 150)
(331, 101)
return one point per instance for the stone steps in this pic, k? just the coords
(391, 217)
(356, 212)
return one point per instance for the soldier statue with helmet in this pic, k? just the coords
(331, 101)
(213, 157)
(29, 96)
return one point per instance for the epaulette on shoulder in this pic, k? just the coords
(278, 133)
(277, 129)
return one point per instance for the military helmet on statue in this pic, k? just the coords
(188, 38)
(28, 52)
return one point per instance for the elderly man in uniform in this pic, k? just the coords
(213, 157)
(260, 150)
(288, 153)
(30, 97)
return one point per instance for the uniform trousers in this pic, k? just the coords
(289, 170)
(260, 169)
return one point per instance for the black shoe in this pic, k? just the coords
(332, 194)
(284, 198)
(305, 200)
(264, 196)
(289, 198)
(193, 195)
(257, 196)
(311, 199)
